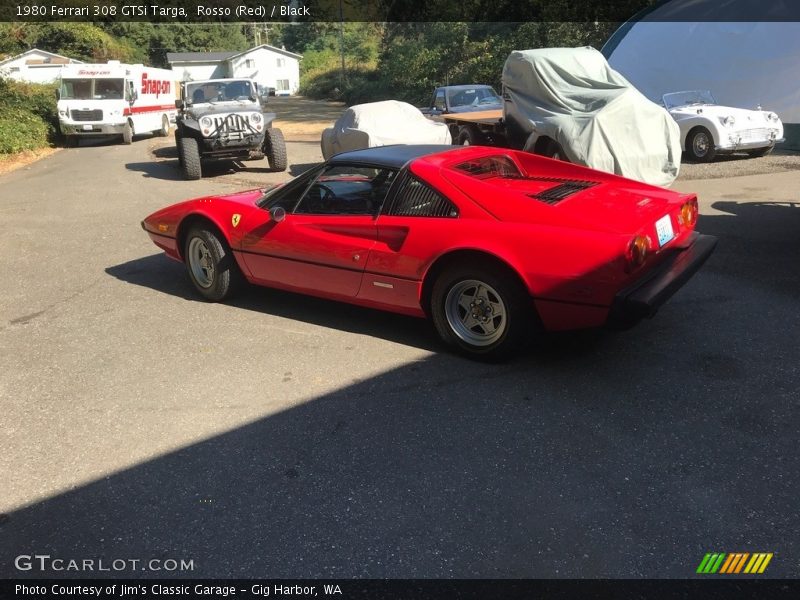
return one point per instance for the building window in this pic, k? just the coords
(281, 62)
(282, 85)
(250, 63)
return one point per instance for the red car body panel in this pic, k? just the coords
(570, 255)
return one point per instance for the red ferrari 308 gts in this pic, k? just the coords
(493, 245)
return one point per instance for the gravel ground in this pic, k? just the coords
(737, 165)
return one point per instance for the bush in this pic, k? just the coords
(28, 116)
(21, 130)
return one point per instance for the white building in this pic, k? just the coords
(268, 66)
(35, 66)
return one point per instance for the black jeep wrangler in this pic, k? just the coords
(223, 119)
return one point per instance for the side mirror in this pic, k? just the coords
(277, 213)
(58, 94)
(180, 104)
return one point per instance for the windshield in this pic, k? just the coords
(472, 97)
(219, 91)
(688, 98)
(92, 89)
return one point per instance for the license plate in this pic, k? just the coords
(87, 127)
(664, 230)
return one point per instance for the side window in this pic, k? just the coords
(287, 196)
(438, 102)
(417, 199)
(347, 190)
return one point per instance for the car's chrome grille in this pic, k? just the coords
(87, 115)
(754, 135)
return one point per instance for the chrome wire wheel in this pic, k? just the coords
(476, 312)
(201, 262)
(700, 144)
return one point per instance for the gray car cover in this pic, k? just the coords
(381, 124)
(572, 96)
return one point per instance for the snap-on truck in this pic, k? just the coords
(115, 99)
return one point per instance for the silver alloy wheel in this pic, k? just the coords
(700, 144)
(201, 263)
(475, 312)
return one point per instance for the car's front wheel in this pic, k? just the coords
(481, 311)
(210, 264)
(700, 145)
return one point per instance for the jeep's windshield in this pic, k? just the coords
(688, 98)
(92, 89)
(228, 90)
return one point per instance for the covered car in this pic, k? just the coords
(708, 129)
(381, 124)
(590, 113)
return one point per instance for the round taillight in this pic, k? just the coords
(689, 213)
(637, 251)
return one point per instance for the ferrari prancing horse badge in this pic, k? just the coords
(235, 219)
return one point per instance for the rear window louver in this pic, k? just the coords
(564, 189)
(416, 199)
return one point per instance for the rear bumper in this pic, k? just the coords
(644, 297)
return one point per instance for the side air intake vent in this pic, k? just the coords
(564, 189)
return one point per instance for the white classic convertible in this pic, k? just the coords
(708, 129)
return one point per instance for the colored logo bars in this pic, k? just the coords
(733, 563)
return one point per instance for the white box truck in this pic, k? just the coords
(115, 99)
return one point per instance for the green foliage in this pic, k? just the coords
(28, 116)
(405, 61)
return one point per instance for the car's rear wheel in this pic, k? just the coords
(700, 145)
(275, 149)
(761, 151)
(481, 311)
(189, 156)
(210, 264)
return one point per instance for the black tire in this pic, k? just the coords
(700, 145)
(164, 130)
(275, 149)
(178, 150)
(505, 315)
(220, 278)
(70, 141)
(469, 136)
(761, 151)
(553, 149)
(127, 134)
(189, 157)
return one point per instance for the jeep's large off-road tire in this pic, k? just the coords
(189, 157)
(275, 149)
(127, 133)
(178, 151)
(210, 263)
(481, 311)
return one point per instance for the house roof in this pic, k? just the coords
(59, 57)
(206, 57)
(176, 57)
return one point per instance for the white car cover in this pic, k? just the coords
(572, 96)
(381, 124)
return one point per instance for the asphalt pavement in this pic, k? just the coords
(285, 436)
